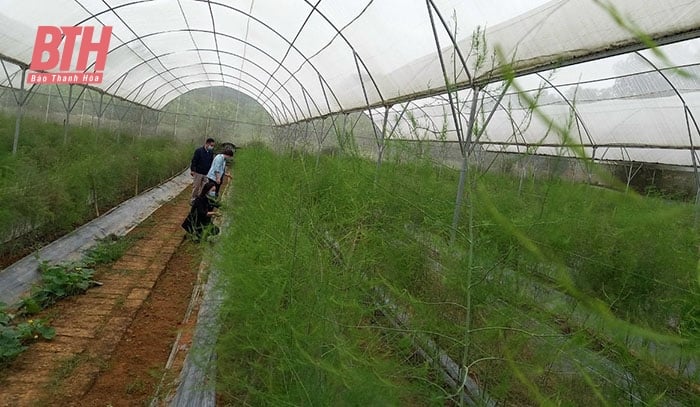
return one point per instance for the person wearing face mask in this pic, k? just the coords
(199, 167)
(201, 213)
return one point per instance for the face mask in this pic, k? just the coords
(210, 148)
(212, 194)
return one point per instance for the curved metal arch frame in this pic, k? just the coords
(187, 24)
(307, 59)
(688, 118)
(400, 113)
(497, 99)
(573, 108)
(657, 70)
(248, 92)
(332, 117)
(340, 34)
(123, 76)
(431, 6)
(126, 73)
(249, 15)
(443, 102)
(595, 145)
(204, 82)
(280, 63)
(463, 144)
(510, 117)
(136, 36)
(198, 50)
(216, 40)
(159, 87)
(579, 119)
(419, 108)
(626, 49)
(660, 41)
(247, 88)
(115, 96)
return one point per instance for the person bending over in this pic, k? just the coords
(198, 221)
(218, 168)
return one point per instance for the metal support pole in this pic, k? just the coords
(688, 118)
(21, 99)
(155, 130)
(693, 158)
(121, 118)
(590, 167)
(118, 124)
(82, 112)
(364, 92)
(141, 123)
(578, 118)
(453, 107)
(2, 105)
(304, 137)
(463, 145)
(340, 132)
(464, 168)
(66, 121)
(48, 104)
(381, 143)
(317, 136)
(476, 140)
(177, 112)
(100, 112)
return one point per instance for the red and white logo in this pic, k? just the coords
(54, 60)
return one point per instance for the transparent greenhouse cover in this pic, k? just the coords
(303, 59)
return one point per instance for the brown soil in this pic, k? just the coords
(112, 343)
(137, 369)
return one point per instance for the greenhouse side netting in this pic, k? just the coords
(17, 279)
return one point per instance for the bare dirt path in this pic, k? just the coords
(112, 343)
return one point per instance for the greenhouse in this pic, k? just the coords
(440, 202)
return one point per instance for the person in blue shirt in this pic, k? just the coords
(217, 172)
(199, 167)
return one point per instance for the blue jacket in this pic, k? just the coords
(201, 161)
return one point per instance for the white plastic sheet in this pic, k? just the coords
(302, 59)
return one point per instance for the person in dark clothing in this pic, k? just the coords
(199, 167)
(203, 209)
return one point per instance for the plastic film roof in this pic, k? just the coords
(641, 106)
(303, 59)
